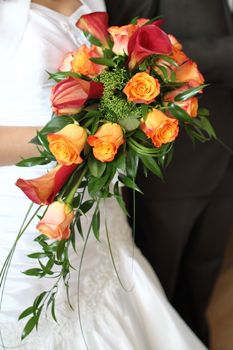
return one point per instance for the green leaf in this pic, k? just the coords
(48, 266)
(96, 224)
(30, 325)
(180, 113)
(38, 300)
(76, 201)
(96, 167)
(203, 112)
(127, 181)
(130, 123)
(103, 61)
(168, 158)
(60, 249)
(56, 124)
(134, 20)
(205, 124)
(79, 226)
(120, 199)
(131, 164)
(58, 76)
(38, 255)
(144, 109)
(33, 272)
(86, 206)
(163, 71)
(29, 162)
(189, 93)
(26, 312)
(53, 310)
(167, 59)
(96, 184)
(153, 20)
(93, 40)
(152, 165)
(43, 141)
(73, 237)
(120, 159)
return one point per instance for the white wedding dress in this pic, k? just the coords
(112, 318)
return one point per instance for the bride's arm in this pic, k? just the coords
(14, 143)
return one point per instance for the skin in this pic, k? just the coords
(12, 152)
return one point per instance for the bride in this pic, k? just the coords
(34, 38)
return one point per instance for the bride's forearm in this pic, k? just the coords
(14, 143)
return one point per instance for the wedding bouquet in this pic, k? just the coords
(120, 100)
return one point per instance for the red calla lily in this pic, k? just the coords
(145, 41)
(43, 190)
(95, 24)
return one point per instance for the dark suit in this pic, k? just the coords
(182, 224)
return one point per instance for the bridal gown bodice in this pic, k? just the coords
(112, 318)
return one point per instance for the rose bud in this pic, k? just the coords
(82, 64)
(70, 95)
(106, 141)
(43, 190)
(56, 222)
(66, 63)
(142, 88)
(95, 24)
(190, 105)
(145, 41)
(159, 128)
(67, 144)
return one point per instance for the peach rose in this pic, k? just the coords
(188, 72)
(190, 105)
(142, 88)
(120, 36)
(160, 128)
(56, 222)
(66, 63)
(82, 64)
(67, 144)
(106, 141)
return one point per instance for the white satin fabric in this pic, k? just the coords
(112, 318)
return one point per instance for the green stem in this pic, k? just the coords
(74, 189)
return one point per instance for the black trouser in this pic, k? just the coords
(184, 239)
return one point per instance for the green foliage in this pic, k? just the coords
(114, 105)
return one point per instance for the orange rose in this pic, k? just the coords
(120, 36)
(188, 72)
(106, 141)
(67, 144)
(56, 222)
(160, 128)
(82, 64)
(190, 106)
(142, 88)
